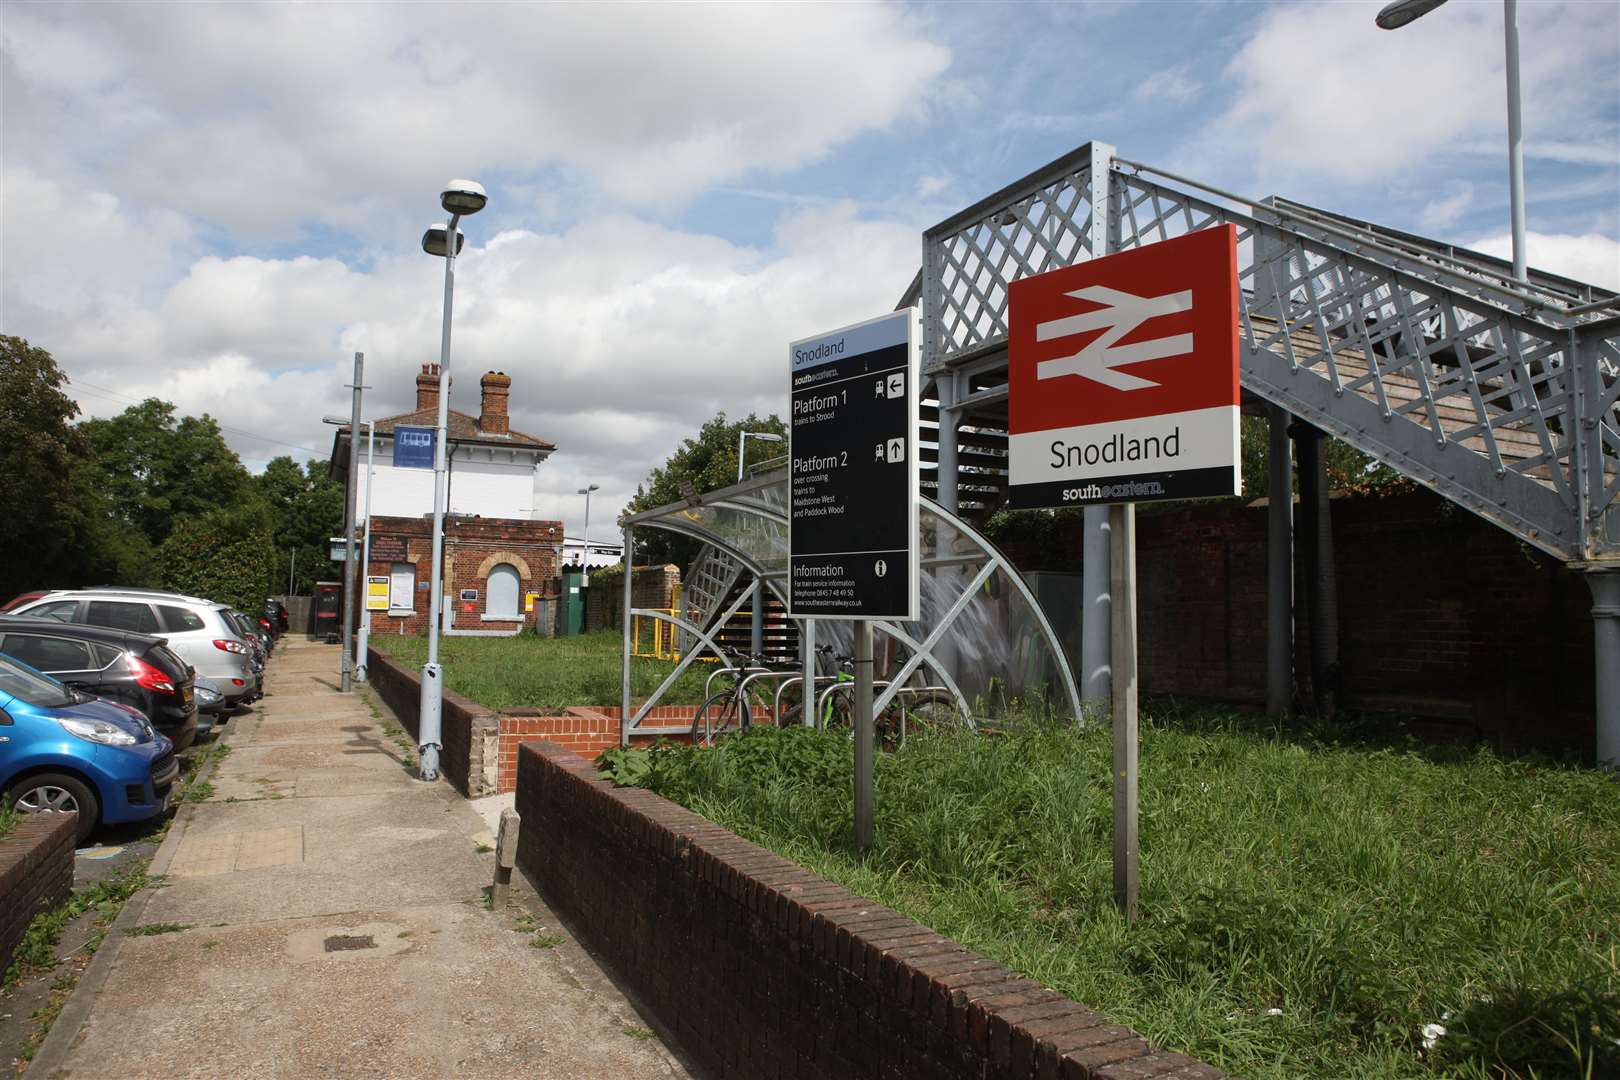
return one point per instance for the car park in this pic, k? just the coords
(133, 669)
(197, 629)
(64, 751)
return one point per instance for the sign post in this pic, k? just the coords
(852, 502)
(1123, 387)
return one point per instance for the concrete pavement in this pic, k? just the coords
(323, 915)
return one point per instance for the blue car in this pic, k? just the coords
(62, 750)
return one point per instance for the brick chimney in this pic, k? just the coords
(427, 388)
(492, 418)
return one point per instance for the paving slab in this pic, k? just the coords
(334, 924)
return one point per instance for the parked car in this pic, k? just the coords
(211, 704)
(276, 612)
(64, 751)
(252, 633)
(20, 599)
(133, 669)
(196, 629)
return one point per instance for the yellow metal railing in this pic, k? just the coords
(655, 639)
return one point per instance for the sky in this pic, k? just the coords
(219, 203)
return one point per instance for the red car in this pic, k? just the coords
(21, 598)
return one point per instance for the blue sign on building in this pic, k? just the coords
(413, 447)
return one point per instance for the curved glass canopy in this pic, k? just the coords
(981, 633)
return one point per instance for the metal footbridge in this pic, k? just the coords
(1500, 395)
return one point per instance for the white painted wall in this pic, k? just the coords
(498, 483)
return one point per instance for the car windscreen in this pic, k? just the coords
(26, 684)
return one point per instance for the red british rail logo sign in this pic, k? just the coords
(1123, 376)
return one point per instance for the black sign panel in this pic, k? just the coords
(387, 548)
(853, 482)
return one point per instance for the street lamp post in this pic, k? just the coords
(346, 680)
(360, 664)
(585, 578)
(1398, 14)
(742, 441)
(459, 198)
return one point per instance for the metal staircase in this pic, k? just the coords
(709, 582)
(1502, 396)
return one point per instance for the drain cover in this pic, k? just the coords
(349, 942)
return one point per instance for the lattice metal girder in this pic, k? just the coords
(1516, 503)
(1030, 226)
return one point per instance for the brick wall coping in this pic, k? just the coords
(810, 978)
(36, 871)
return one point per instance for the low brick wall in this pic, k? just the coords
(469, 732)
(36, 872)
(758, 967)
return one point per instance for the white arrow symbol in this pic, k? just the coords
(1121, 313)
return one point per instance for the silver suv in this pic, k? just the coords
(195, 628)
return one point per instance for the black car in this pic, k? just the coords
(276, 612)
(119, 665)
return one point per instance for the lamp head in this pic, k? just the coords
(340, 421)
(1396, 15)
(463, 197)
(434, 243)
(588, 490)
(767, 436)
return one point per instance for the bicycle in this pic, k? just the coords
(913, 706)
(727, 710)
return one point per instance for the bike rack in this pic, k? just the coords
(708, 683)
(796, 679)
(894, 692)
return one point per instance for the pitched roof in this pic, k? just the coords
(463, 428)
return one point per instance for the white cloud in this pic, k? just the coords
(1322, 90)
(1591, 258)
(262, 118)
(1175, 85)
(1446, 211)
(622, 336)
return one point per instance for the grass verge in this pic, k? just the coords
(527, 671)
(1313, 903)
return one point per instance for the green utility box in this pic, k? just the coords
(573, 601)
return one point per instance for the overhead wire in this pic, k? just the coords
(102, 391)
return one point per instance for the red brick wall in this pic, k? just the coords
(36, 872)
(653, 587)
(1440, 615)
(757, 967)
(469, 544)
(588, 730)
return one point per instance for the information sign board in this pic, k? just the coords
(413, 447)
(1122, 376)
(376, 593)
(852, 503)
(386, 548)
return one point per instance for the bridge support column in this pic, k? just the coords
(1605, 586)
(1318, 583)
(756, 636)
(1279, 567)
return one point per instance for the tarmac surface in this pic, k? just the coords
(324, 914)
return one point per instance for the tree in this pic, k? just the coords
(306, 505)
(56, 525)
(703, 463)
(157, 471)
(224, 555)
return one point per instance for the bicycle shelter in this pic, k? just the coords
(981, 633)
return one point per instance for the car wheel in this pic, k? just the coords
(55, 793)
